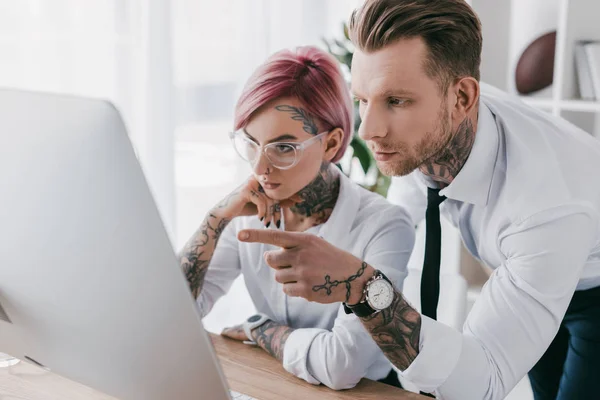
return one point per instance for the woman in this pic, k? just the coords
(293, 121)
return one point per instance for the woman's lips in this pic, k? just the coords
(270, 186)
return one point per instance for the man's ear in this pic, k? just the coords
(467, 92)
(333, 143)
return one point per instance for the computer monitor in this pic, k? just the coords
(90, 287)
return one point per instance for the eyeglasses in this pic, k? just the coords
(282, 155)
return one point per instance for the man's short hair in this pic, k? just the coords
(450, 29)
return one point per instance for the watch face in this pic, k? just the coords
(254, 318)
(381, 294)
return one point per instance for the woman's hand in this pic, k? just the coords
(236, 333)
(250, 199)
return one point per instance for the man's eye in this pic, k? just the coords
(396, 102)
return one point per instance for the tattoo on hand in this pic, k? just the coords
(396, 331)
(299, 114)
(237, 330)
(348, 282)
(272, 336)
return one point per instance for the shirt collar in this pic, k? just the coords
(473, 182)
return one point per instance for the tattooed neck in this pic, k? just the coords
(448, 164)
(319, 196)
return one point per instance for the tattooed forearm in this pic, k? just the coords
(271, 336)
(219, 228)
(225, 202)
(449, 163)
(197, 253)
(328, 285)
(195, 269)
(396, 331)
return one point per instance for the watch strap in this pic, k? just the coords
(362, 309)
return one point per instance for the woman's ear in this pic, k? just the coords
(333, 143)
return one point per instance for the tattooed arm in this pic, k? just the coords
(248, 199)
(272, 336)
(396, 331)
(197, 253)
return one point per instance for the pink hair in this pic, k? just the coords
(309, 74)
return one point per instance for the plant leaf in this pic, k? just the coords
(341, 45)
(362, 153)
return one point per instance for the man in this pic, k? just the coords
(520, 185)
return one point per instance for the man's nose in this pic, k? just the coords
(373, 124)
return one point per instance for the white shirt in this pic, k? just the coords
(527, 204)
(328, 346)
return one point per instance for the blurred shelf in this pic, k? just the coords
(580, 105)
(563, 105)
(539, 102)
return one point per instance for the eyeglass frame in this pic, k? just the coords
(298, 147)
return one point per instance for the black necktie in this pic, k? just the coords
(430, 277)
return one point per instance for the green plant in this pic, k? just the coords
(375, 181)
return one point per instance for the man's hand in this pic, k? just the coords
(311, 268)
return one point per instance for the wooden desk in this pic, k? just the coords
(25, 381)
(249, 370)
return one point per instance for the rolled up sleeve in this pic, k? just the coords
(339, 358)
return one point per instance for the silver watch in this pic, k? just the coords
(379, 293)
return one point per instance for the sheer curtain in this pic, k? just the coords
(111, 49)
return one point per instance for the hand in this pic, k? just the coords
(235, 333)
(310, 267)
(250, 199)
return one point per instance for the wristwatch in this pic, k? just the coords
(378, 295)
(252, 323)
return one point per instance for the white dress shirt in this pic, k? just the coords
(328, 346)
(527, 204)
